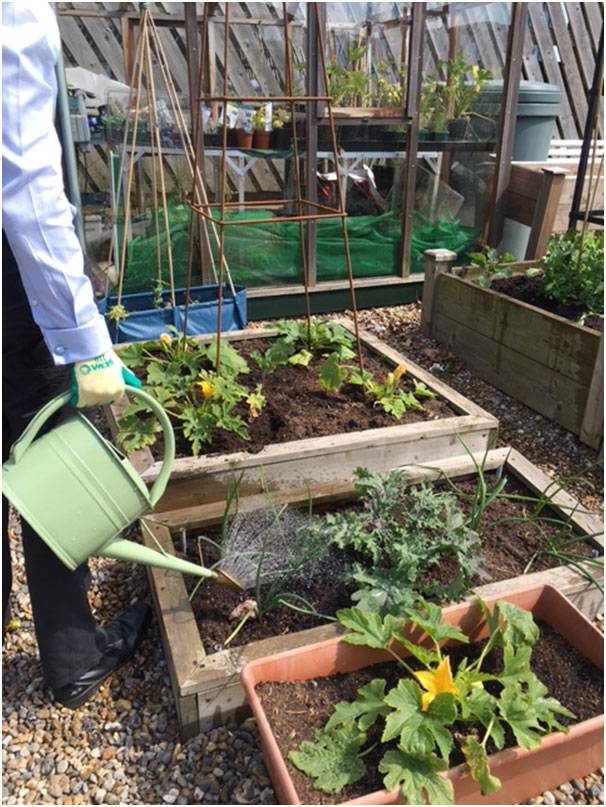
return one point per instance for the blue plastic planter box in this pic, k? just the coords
(147, 321)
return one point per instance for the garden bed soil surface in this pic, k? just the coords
(298, 408)
(296, 709)
(506, 549)
(528, 290)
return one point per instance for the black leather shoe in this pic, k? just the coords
(124, 636)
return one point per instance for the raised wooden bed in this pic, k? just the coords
(549, 363)
(207, 688)
(323, 460)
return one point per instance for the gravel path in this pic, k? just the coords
(122, 746)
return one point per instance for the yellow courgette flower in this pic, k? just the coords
(436, 681)
(208, 389)
(396, 375)
(165, 339)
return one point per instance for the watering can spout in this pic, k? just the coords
(122, 549)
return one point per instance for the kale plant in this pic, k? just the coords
(398, 537)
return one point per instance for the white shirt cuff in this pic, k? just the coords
(70, 345)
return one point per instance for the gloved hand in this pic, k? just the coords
(100, 380)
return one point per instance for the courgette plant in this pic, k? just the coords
(180, 373)
(433, 709)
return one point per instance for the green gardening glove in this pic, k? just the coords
(100, 380)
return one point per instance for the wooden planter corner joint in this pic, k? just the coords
(207, 688)
(295, 464)
(549, 363)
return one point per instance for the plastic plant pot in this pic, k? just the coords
(560, 757)
(457, 128)
(244, 140)
(281, 138)
(261, 140)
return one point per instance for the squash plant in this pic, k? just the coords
(180, 374)
(433, 708)
(297, 344)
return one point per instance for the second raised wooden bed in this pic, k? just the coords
(207, 688)
(549, 363)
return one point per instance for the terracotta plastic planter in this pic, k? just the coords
(243, 140)
(523, 773)
(261, 140)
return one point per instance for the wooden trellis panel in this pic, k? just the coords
(560, 47)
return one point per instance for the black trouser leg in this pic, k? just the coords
(68, 640)
(7, 571)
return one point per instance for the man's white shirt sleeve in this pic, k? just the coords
(37, 218)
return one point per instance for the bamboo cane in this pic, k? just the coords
(131, 166)
(191, 153)
(154, 178)
(156, 132)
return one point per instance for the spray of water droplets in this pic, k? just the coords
(270, 545)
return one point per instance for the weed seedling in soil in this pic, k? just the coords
(420, 721)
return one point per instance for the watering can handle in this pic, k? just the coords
(22, 444)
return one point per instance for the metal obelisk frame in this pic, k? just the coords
(307, 210)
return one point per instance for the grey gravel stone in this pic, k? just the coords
(99, 796)
(548, 797)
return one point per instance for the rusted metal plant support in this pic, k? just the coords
(589, 215)
(306, 209)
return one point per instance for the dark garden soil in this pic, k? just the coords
(528, 290)
(297, 407)
(569, 676)
(506, 550)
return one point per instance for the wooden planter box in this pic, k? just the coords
(207, 688)
(552, 365)
(323, 460)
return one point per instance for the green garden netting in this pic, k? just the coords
(269, 254)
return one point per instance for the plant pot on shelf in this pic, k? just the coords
(243, 140)
(439, 137)
(281, 138)
(261, 139)
(213, 141)
(457, 128)
(523, 773)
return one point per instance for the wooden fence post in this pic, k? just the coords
(436, 262)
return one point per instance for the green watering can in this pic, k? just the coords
(79, 493)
